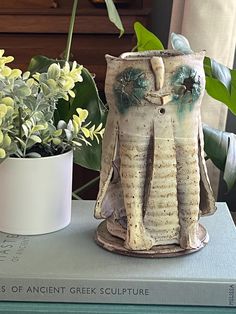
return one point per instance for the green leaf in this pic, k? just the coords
(8, 101)
(61, 124)
(82, 114)
(221, 83)
(6, 140)
(25, 129)
(69, 134)
(215, 146)
(40, 64)
(22, 91)
(233, 89)
(2, 153)
(218, 91)
(1, 136)
(221, 72)
(37, 128)
(21, 142)
(114, 16)
(220, 147)
(207, 66)
(57, 132)
(26, 75)
(146, 40)
(35, 138)
(86, 97)
(46, 90)
(54, 71)
(76, 143)
(33, 155)
(180, 43)
(28, 124)
(230, 165)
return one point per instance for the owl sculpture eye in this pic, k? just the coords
(130, 88)
(186, 87)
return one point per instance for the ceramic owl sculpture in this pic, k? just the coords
(153, 183)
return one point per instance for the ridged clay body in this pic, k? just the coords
(154, 184)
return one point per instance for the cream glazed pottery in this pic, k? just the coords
(154, 184)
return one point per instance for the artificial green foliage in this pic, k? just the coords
(220, 147)
(86, 97)
(114, 16)
(130, 88)
(146, 40)
(27, 106)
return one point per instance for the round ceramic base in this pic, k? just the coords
(116, 245)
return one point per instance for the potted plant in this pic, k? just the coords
(35, 154)
(43, 125)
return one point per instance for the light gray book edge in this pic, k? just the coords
(56, 308)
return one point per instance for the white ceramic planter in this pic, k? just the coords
(35, 194)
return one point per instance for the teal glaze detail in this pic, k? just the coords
(187, 88)
(130, 88)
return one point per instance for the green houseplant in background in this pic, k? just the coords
(86, 93)
(219, 146)
(86, 96)
(46, 114)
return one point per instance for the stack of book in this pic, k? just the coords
(69, 273)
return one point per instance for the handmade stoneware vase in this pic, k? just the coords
(154, 184)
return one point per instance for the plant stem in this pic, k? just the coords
(70, 32)
(26, 142)
(75, 197)
(134, 48)
(86, 186)
(20, 122)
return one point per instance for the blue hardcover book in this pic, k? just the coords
(68, 266)
(82, 308)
